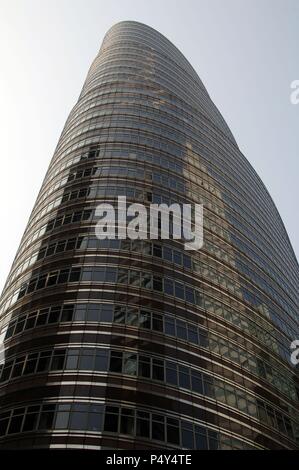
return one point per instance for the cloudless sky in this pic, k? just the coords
(245, 52)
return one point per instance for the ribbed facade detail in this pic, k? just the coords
(140, 344)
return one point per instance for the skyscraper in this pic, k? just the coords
(122, 344)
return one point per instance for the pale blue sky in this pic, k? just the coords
(245, 52)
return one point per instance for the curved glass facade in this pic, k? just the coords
(139, 344)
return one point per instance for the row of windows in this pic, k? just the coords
(139, 365)
(130, 138)
(131, 59)
(73, 217)
(165, 181)
(139, 156)
(99, 418)
(211, 273)
(87, 242)
(144, 100)
(219, 210)
(129, 73)
(258, 259)
(145, 280)
(263, 332)
(136, 38)
(130, 70)
(112, 275)
(169, 325)
(129, 172)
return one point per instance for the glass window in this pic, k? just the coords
(80, 312)
(157, 283)
(54, 315)
(44, 361)
(127, 421)
(98, 275)
(52, 279)
(130, 364)
(93, 313)
(158, 430)
(47, 417)
(201, 442)
(115, 362)
(60, 246)
(146, 280)
(31, 419)
(95, 418)
(62, 418)
(171, 373)
(87, 359)
(168, 286)
(75, 274)
(20, 325)
(192, 334)
(173, 431)
(15, 424)
(145, 319)
(110, 275)
(101, 360)
(71, 243)
(169, 325)
(41, 281)
(189, 294)
(30, 363)
(157, 250)
(122, 276)
(58, 359)
(167, 253)
(119, 314)
(187, 435)
(144, 366)
(72, 359)
(179, 290)
(157, 322)
(158, 369)
(78, 417)
(187, 261)
(181, 329)
(177, 257)
(6, 371)
(42, 317)
(135, 278)
(63, 276)
(184, 377)
(196, 380)
(106, 313)
(132, 317)
(30, 322)
(142, 424)
(111, 419)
